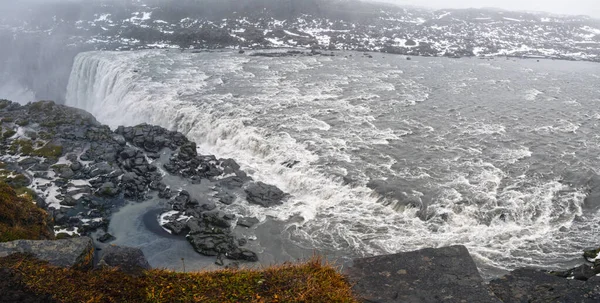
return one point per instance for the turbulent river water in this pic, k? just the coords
(393, 154)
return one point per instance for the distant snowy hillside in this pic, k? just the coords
(51, 31)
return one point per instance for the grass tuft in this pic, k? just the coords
(310, 281)
(20, 218)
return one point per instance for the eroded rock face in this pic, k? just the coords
(75, 252)
(429, 275)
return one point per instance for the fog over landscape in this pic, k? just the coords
(575, 7)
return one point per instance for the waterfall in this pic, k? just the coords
(101, 85)
(219, 100)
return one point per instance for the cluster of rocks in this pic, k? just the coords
(91, 171)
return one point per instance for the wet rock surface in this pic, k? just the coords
(264, 195)
(83, 172)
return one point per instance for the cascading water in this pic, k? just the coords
(391, 155)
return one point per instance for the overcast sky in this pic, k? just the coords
(571, 7)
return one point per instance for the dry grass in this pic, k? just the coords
(20, 218)
(310, 281)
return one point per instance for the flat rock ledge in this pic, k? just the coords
(74, 252)
(446, 274)
(449, 274)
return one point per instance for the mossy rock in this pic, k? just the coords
(41, 106)
(17, 181)
(22, 122)
(591, 254)
(49, 151)
(46, 136)
(22, 146)
(27, 193)
(8, 133)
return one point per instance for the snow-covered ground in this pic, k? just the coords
(410, 31)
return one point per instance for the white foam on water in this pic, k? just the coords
(481, 128)
(532, 94)
(499, 223)
(511, 156)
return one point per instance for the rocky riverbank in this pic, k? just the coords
(82, 172)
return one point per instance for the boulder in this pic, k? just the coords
(247, 222)
(128, 259)
(225, 197)
(177, 227)
(106, 238)
(264, 195)
(431, 275)
(532, 285)
(74, 252)
(188, 151)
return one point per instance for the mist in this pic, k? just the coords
(40, 38)
(573, 7)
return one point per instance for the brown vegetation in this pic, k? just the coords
(20, 217)
(311, 281)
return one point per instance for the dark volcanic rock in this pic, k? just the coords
(264, 194)
(106, 238)
(220, 244)
(74, 252)
(177, 227)
(429, 275)
(225, 197)
(127, 259)
(531, 285)
(247, 222)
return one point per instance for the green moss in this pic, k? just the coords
(26, 193)
(52, 123)
(22, 146)
(22, 122)
(8, 133)
(46, 136)
(7, 120)
(49, 151)
(591, 254)
(41, 106)
(26, 148)
(17, 181)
